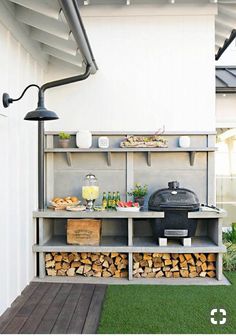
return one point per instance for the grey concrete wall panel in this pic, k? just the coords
(70, 182)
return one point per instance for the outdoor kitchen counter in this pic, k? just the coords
(52, 237)
(118, 214)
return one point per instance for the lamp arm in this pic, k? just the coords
(21, 96)
(7, 100)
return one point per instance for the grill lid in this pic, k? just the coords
(173, 198)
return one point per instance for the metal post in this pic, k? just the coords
(41, 165)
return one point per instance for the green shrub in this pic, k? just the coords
(229, 258)
(230, 235)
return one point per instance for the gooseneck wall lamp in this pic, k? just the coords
(42, 114)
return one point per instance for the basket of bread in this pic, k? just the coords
(59, 203)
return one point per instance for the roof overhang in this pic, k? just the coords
(226, 79)
(225, 13)
(57, 33)
(54, 29)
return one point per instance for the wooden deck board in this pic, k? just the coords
(65, 316)
(80, 314)
(24, 312)
(50, 317)
(35, 318)
(50, 308)
(92, 319)
(16, 305)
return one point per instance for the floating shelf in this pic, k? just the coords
(140, 244)
(192, 152)
(120, 150)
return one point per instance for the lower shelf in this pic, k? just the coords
(142, 267)
(113, 281)
(140, 244)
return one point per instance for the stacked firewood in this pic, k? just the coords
(87, 264)
(173, 265)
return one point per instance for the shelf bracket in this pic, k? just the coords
(69, 159)
(109, 159)
(192, 158)
(149, 159)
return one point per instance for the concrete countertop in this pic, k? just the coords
(48, 213)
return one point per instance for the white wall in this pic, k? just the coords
(225, 110)
(18, 169)
(154, 70)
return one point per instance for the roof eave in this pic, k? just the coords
(226, 90)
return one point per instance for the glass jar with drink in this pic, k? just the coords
(90, 191)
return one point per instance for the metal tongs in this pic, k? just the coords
(212, 207)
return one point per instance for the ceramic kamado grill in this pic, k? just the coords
(176, 202)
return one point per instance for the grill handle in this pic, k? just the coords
(173, 185)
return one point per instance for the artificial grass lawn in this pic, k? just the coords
(167, 309)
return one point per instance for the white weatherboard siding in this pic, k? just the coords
(18, 169)
(226, 157)
(225, 110)
(153, 71)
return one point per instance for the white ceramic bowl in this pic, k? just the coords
(130, 209)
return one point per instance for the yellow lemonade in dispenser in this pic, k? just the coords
(90, 192)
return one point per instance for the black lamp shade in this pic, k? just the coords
(41, 114)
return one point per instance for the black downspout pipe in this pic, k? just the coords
(41, 133)
(41, 192)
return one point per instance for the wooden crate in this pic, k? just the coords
(84, 231)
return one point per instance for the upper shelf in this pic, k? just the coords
(118, 150)
(192, 152)
(114, 133)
